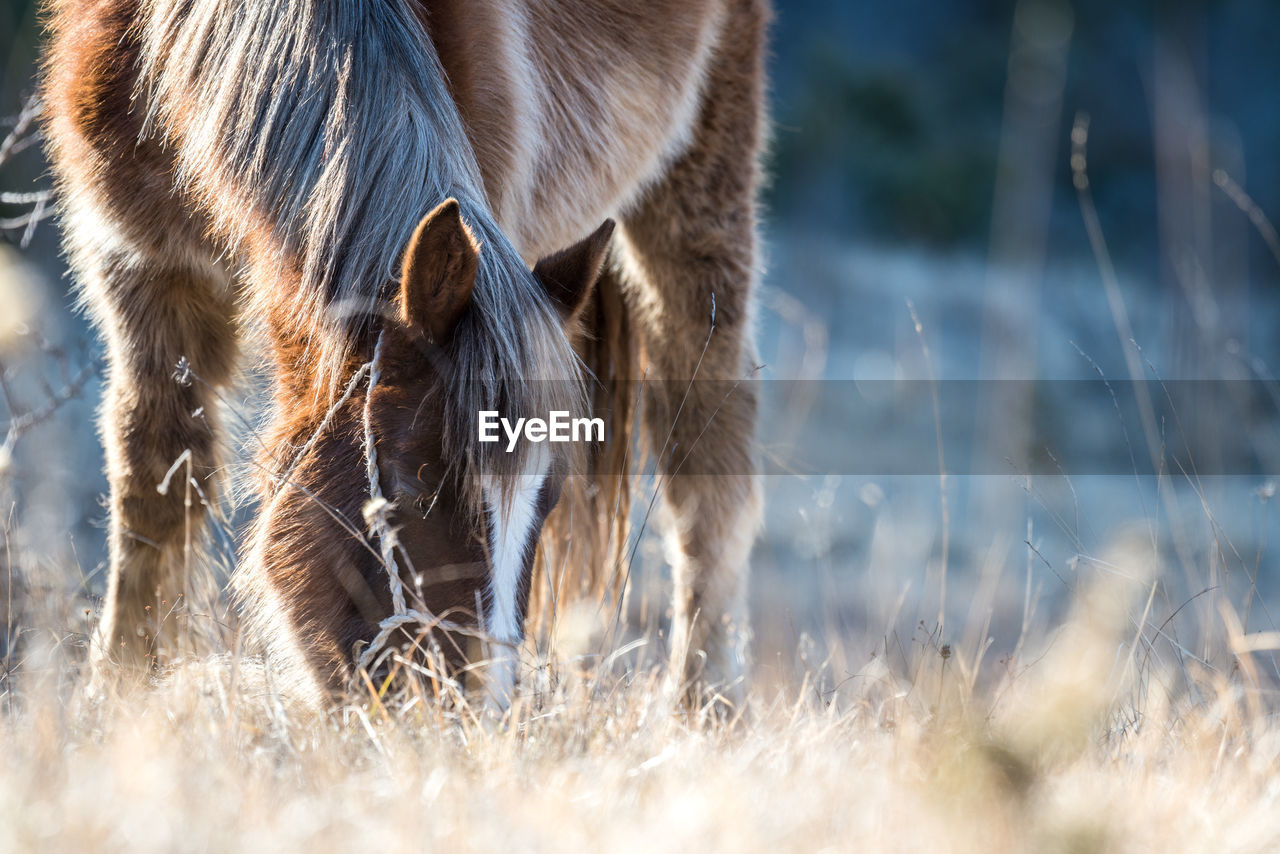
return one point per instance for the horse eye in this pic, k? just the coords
(423, 505)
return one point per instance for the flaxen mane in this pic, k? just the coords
(334, 126)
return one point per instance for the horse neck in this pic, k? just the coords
(361, 136)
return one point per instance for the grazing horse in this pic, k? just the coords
(382, 190)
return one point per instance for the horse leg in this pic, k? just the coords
(690, 246)
(156, 292)
(155, 312)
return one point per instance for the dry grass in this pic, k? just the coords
(1088, 746)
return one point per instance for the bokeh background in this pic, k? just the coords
(922, 162)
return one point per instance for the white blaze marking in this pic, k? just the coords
(512, 538)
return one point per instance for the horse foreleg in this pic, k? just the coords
(150, 281)
(169, 329)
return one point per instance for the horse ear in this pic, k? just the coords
(439, 272)
(569, 275)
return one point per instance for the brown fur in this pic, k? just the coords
(576, 110)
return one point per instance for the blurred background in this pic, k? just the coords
(1032, 190)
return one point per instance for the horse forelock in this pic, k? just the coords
(509, 354)
(317, 135)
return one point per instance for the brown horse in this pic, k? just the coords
(366, 184)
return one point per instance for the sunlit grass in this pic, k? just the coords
(1082, 744)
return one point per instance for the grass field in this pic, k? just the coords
(1081, 739)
